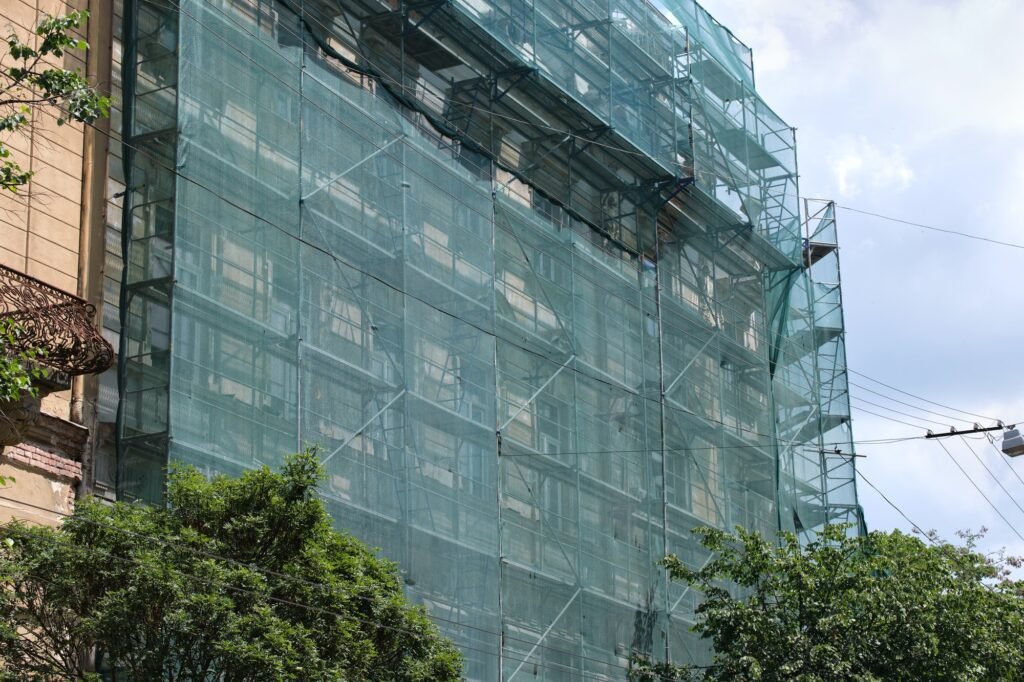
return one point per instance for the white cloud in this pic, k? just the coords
(773, 50)
(859, 166)
(916, 70)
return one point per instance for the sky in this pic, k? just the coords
(915, 109)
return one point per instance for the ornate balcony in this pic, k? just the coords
(56, 321)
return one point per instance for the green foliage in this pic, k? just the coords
(28, 80)
(237, 579)
(885, 606)
(18, 367)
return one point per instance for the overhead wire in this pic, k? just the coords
(895, 411)
(892, 419)
(892, 504)
(825, 448)
(973, 452)
(978, 488)
(958, 233)
(994, 477)
(1002, 456)
(902, 402)
(912, 395)
(931, 537)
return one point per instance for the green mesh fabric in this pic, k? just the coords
(530, 274)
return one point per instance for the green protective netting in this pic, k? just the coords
(673, 83)
(532, 361)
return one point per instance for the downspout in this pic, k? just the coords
(92, 225)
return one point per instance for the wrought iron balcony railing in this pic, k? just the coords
(55, 321)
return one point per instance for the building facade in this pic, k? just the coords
(50, 246)
(532, 274)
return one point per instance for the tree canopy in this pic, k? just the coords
(885, 606)
(18, 368)
(235, 579)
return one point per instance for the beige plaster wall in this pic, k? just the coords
(40, 225)
(32, 495)
(42, 471)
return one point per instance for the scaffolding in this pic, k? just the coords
(531, 273)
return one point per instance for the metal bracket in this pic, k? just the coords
(518, 76)
(592, 135)
(434, 7)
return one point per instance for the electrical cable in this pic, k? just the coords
(901, 402)
(894, 411)
(978, 488)
(931, 536)
(1002, 456)
(826, 448)
(912, 395)
(892, 504)
(931, 227)
(892, 419)
(994, 477)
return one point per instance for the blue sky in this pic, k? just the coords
(915, 109)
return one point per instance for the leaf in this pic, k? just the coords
(236, 578)
(884, 606)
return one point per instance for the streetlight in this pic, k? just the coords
(1013, 442)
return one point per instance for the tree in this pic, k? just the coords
(19, 377)
(235, 579)
(885, 606)
(18, 367)
(30, 79)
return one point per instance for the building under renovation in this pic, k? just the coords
(532, 274)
